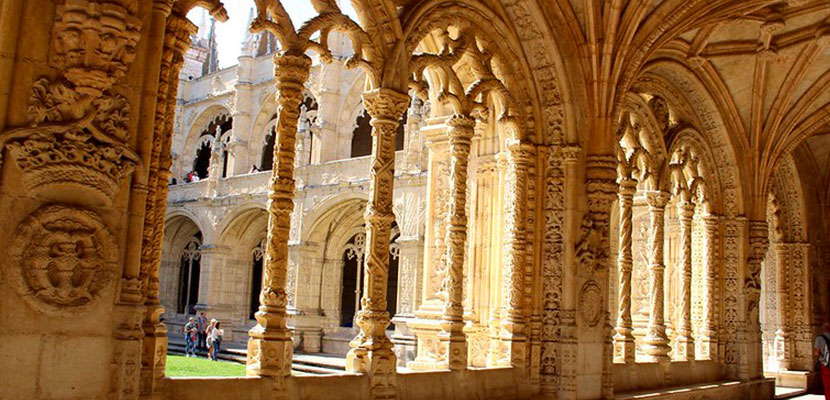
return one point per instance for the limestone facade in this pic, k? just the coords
(619, 199)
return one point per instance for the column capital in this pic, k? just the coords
(657, 199)
(685, 210)
(385, 104)
(628, 186)
(570, 154)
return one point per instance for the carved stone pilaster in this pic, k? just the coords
(371, 351)
(593, 251)
(269, 346)
(783, 343)
(452, 328)
(684, 343)
(624, 345)
(656, 342)
(709, 331)
(520, 160)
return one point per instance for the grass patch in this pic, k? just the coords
(183, 366)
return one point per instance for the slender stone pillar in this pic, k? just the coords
(495, 273)
(709, 331)
(624, 339)
(783, 343)
(371, 351)
(656, 342)
(751, 366)
(521, 157)
(684, 349)
(270, 346)
(176, 42)
(452, 335)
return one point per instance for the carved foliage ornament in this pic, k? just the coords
(62, 258)
(73, 140)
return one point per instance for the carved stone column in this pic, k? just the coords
(593, 251)
(684, 343)
(177, 31)
(371, 351)
(751, 366)
(624, 339)
(783, 343)
(709, 331)
(656, 342)
(521, 157)
(452, 328)
(270, 346)
(495, 273)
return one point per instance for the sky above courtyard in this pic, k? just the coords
(230, 34)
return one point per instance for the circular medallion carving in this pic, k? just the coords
(590, 303)
(62, 258)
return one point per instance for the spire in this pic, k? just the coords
(212, 63)
(249, 39)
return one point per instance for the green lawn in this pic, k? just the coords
(183, 366)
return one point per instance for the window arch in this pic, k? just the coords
(352, 284)
(218, 129)
(258, 259)
(362, 135)
(308, 119)
(189, 274)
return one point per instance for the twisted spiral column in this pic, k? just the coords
(624, 345)
(685, 344)
(371, 350)
(269, 346)
(452, 327)
(657, 343)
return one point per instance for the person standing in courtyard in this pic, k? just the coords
(190, 338)
(216, 339)
(201, 324)
(821, 349)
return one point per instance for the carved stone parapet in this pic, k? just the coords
(94, 42)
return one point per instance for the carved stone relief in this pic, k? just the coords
(62, 258)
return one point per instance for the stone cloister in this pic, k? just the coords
(564, 199)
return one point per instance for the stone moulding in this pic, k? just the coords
(61, 259)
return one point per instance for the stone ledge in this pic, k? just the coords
(724, 390)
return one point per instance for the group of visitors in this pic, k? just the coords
(201, 335)
(191, 176)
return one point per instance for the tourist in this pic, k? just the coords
(821, 349)
(190, 338)
(189, 177)
(201, 324)
(216, 339)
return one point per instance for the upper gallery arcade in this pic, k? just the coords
(501, 199)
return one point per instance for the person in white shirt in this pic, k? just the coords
(216, 338)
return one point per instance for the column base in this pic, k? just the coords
(454, 345)
(656, 348)
(269, 353)
(684, 348)
(431, 354)
(624, 346)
